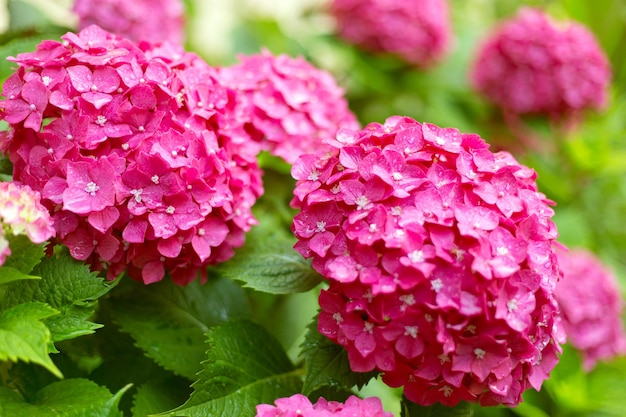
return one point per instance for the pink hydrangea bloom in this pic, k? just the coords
(416, 30)
(142, 160)
(21, 213)
(294, 107)
(591, 305)
(532, 64)
(439, 260)
(300, 406)
(138, 20)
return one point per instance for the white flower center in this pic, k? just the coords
(397, 176)
(411, 331)
(101, 120)
(511, 305)
(321, 226)
(337, 317)
(91, 188)
(361, 202)
(479, 353)
(416, 257)
(137, 194)
(314, 175)
(170, 210)
(436, 284)
(155, 179)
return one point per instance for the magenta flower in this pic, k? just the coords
(294, 107)
(592, 307)
(138, 20)
(21, 213)
(439, 260)
(137, 173)
(416, 30)
(299, 405)
(531, 64)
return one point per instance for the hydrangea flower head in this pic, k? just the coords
(300, 406)
(532, 64)
(591, 306)
(294, 107)
(21, 213)
(439, 260)
(416, 30)
(142, 160)
(138, 20)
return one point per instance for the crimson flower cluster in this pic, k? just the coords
(416, 30)
(21, 213)
(439, 260)
(532, 64)
(300, 406)
(591, 306)
(137, 20)
(293, 106)
(138, 153)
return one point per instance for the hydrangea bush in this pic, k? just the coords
(416, 30)
(140, 155)
(294, 107)
(300, 405)
(592, 307)
(208, 229)
(143, 20)
(533, 64)
(439, 259)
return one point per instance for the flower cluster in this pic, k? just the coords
(137, 20)
(21, 213)
(439, 261)
(534, 65)
(300, 406)
(138, 152)
(294, 107)
(416, 30)
(591, 306)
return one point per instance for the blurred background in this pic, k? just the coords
(580, 165)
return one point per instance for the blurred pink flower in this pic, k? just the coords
(299, 405)
(592, 306)
(138, 20)
(140, 175)
(21, 213)
(439, 260)
(531, 64)
(416, 30)
(294, 107)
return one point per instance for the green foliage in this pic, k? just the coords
(244, 366)
(268, 262)
(410, 409)
(24, 337)
(25, 255)
(69, 287)
(168, 322)
(8, 274)
(326, 363)
(68, 398)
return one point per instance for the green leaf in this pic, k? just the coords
(327, 364)
(410, 409)
(25, 255)
(68, 286)
(245, 366)
(168, 322)
(68, 398)
(24, 337)
(269, 263)
(8, 274)
(153, 397)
